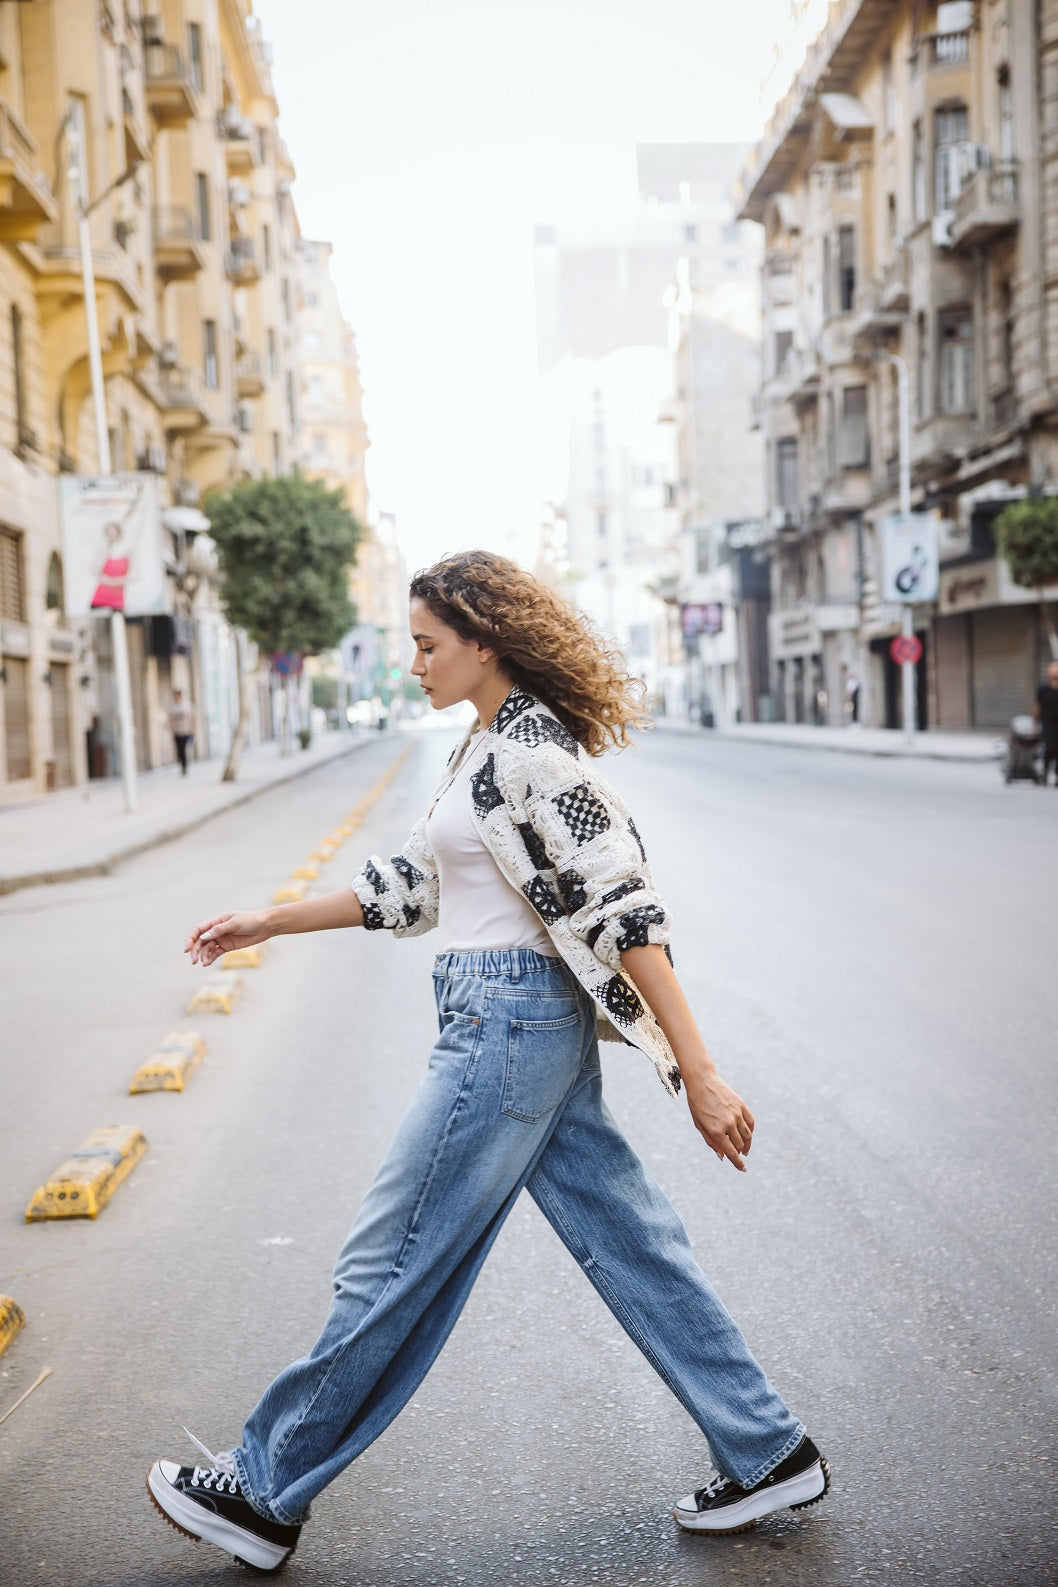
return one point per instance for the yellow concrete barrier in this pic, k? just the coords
(242, 958)
(290, 893)
(12, 1321)
(172, 1062)
(219, 995)
(305, 873)
(82, 1186)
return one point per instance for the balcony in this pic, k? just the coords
(241, 263)
(987, 206)
(25, 198)
(178, 253)
(171, 96)
(798, 379)
(249, 376)
(185, 400)
(239, 137)
(779, 278)
(873, 310)
(894, 284)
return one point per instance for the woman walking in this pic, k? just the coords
(551, 934)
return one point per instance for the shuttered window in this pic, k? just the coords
(12, 586)
(16, 717)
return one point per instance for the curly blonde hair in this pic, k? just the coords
(543, 643)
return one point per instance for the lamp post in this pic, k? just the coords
(118, 637)
(907, 627)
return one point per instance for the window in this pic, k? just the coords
(285, 294)
(918, 171)
(598, 435)
(846, 267)
(600, 482)
(601, 524)
(277, 461)
(263, 145)
(266, 246)
(922, 393)
(690, 234)
(953, 153)
(1006, 118)
(854, 450)
(890, 220)
(23, 435)
(787, 480)
(209, 354)
(202, 205)
(194, 55)
(956, 347)
(783, 343)
(12, 585)
(1007, 301)
(77, 147)
(828, 274)
(273, 353)
(292, 402)
(888, 92)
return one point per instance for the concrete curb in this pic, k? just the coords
(988, 755)
(169, 834)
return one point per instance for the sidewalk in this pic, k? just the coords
(87, 832)
(931, 745)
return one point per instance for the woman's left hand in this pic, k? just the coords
(720, 1116)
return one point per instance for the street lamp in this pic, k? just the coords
(118, 637)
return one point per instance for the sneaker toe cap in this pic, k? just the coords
(687, 1505)
(168, 1469)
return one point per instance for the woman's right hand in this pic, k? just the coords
(223, 933)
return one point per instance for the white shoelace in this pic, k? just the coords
(219, 1473)
(714, 1486)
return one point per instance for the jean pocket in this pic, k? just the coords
(539, 1066)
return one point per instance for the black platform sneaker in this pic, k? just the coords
(722, 1506)
(204, 1502)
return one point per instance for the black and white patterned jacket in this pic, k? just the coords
(564, 839)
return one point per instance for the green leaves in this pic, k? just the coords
(285, 547)
(1027, 536)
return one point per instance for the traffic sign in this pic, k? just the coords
(906, 649)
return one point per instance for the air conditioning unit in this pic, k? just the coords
(153, 30)
(169, 356)
(238, 195)
(942, 229)
(244, 418)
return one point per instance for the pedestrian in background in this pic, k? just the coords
(182, 727)
(1046, 714)
(534, 875)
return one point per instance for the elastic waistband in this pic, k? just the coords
(513, 962)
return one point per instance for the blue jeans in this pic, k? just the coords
(512, 1098)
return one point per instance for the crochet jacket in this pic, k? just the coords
(563, 838)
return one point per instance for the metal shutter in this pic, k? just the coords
(1004, 682)
(60, 724)
(16, 718)
(952, 658)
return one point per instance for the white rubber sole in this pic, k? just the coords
(204, 1526)
(808, 1487)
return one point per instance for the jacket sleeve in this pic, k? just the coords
(400, 894)
(589, 839)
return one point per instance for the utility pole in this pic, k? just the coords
(118, 637)
(907, 668)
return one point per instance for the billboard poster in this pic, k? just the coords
(910, 558)
(703, 617)
(112, 545)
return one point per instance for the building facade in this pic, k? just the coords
(905, 189)
(160, 121)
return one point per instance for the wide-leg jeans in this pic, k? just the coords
(512, 1098)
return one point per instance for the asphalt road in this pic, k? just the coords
(871, 948)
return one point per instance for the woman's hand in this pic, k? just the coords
(720, 1116)
(220, 935)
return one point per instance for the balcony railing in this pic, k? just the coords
(948, 49)
(987, 206)
(177, 247)
(171, 95)
(242, 260)
(25, 197)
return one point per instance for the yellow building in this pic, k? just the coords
(905, 186)
(162, 122)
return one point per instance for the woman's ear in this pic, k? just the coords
(485, 653)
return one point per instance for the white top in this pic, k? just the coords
(478, 907)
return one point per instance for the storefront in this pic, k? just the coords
(990, 647)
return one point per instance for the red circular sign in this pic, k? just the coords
(906, 648)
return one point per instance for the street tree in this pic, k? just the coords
(1027, 536)
(284, 548)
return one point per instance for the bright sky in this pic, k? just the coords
(428, 140)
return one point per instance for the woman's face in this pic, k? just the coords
(450, 669)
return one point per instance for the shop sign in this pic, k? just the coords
(910, 561)
(706, 617)
(978, 584)
(794, 633)
(112, 545)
